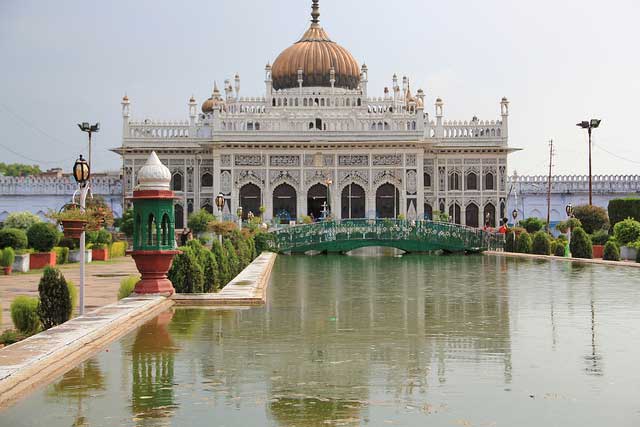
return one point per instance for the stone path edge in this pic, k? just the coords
(44, 357)
(555, 258)
(249, 288)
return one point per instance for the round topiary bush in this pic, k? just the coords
(532, 224)
(600, 237)
(581, 244)
(24, 314)
(541, 243)
(627, 231)
(55, 299)
(559, 249)
(7, 257)
(43, 236)
(13, 238)
(524, 243)
(611, 251)
(593, 218)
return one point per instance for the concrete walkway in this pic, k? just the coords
(556, 258)
(102, 282)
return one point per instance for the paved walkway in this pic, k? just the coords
(102, 282)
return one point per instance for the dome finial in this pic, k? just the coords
(315, 13)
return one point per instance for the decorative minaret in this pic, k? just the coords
(504, 111)
(300, 79)
(396, 92)
(364, 79)
(268, 81)
(154, 240)
(193, 111)
(237, 87)
(439, 114)
(126, 115)
(332, 78)
(228, 90)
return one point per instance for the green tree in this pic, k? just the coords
(208, 263)
(199, 221)
(234, 262)
(126, 223)
(510, 241)
(21, 220)
(532, 224)
(55, 299)
(186, 274)
(593, 218)
(222, 261)
(627, 231)
(13, 238)
(611, 251)
(43, 236)
(19, 169)
(581, 244)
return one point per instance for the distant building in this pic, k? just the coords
(529, 193)
(53, 189)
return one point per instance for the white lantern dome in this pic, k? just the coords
(154, 175)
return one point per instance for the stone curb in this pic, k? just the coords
(41, 358)
(555, 258)
(247, 289)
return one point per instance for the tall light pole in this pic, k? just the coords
(82, 173)
(220, 204)
(90, 129)
(590, 125)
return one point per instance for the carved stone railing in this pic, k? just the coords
(158, 130)
(34, 185)
(470, 130)
(577, 183)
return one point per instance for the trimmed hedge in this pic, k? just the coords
(541, 243)
(532, 224)
(559, 249)
(510, 241)
(7, 257)
(600, 237)
(593, 218)
(627, 231)
(186, 274)
(524, 243)
(208, 263)
(13, 238)
(621, 209)
(24, 314)
(581, 244)
(43, 236)
(611, 251)
(118, 249)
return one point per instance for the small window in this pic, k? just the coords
(489, 181)
(427, 180)
(454, 181)
(207, 179)
(472, 181)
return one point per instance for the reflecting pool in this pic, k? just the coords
(351, 341)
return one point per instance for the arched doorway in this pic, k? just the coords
(471, 217)
(387, 201)
(490, 215)
(316, 199)
(250, 199)
(179, 217)
(353, 202)
(428, 212)
(284, 203)
(455, 213)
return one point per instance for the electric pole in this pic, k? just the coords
(551, 153)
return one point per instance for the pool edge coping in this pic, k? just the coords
(596, 261)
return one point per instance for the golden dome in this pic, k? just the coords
(214, 102)
(317, 56)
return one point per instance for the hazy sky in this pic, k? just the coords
(558, 62)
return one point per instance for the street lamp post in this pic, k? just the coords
(569, 210)
(239, 214)
(514, 215)
(82, 173)
(590, 125)
(220, 204)
(90, 129)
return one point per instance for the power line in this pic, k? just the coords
(615, 155)
(49, 162)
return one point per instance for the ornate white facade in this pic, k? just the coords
(316, 136)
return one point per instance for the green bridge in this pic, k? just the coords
(410, 236)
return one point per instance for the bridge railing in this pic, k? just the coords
(441, 235)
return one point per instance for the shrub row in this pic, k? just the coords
(621, 209)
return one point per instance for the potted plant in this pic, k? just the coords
(42, 238)
(100, 244)
(74, 220)
(627, 235)
(599, 239)
(16, 239)
(7, 258)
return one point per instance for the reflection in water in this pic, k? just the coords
(358, 341)
(77, 385)
(153, 358)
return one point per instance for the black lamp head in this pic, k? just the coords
(81, 171)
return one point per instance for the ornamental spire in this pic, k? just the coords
(315, 13)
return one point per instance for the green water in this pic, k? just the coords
(412, 341)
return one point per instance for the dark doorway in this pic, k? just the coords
(250, 200)
(353, 202)
(316, 198)
(428, 212)
(387, 201)
(490, 215)
(285, 203)
(455, 213)
(179, 217)
(473, 211)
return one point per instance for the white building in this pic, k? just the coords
(318, 135)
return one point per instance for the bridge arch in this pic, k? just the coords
(387, 201)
